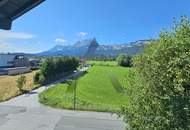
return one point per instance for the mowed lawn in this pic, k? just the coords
(8, 85)
(95, 91)
(102, 63)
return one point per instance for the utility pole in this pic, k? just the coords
(75, 95)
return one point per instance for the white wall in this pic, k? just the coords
(5, 59)
(19, 70)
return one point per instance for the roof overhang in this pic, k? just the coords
(12, 9)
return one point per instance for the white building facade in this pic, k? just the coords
(6, 60)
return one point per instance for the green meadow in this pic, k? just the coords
(102, 63)
(95, 91)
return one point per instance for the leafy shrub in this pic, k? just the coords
(41, 79)
(21, 81)
(161, 99)
(124, 60)
(36, 77)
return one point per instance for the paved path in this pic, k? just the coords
(26, 113)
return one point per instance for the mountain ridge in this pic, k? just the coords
(91, 47)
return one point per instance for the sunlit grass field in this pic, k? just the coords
(102, 63)
(8, 85)
(95, 91)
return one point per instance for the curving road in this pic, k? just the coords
(26, 113)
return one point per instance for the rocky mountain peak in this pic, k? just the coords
(90, 47)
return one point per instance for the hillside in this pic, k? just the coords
(91, 47)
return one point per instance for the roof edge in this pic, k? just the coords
(23, 10)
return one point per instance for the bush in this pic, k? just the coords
(36, 77)
(161, 99)
(124, 60)
(21, 81)
(41, 79)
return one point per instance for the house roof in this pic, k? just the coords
(12, 9)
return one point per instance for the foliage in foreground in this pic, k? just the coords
(160, 100)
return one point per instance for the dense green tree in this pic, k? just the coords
(160, 100)
(124, 60)
(54, 68)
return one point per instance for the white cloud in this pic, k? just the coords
(60, 40)
(3, 45)
(6, 35)
(82, 34)
(6, 47)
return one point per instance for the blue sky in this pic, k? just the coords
(110, 21)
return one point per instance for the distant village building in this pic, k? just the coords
(12, 64)
(13, 60)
